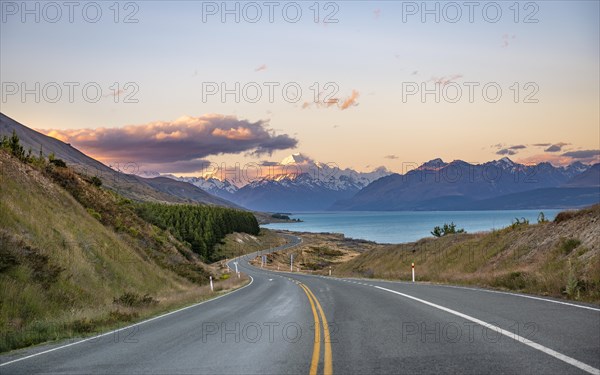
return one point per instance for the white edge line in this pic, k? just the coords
(523, 340)
(522, 295)
(127, 327)
(495, 291)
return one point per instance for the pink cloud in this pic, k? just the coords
(183, 140)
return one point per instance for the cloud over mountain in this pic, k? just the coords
(512, 150)
(182, 142)
(583, 154)
(557, 147)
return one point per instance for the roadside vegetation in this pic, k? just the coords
(558, 259)
(77, 259)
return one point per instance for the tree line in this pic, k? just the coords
(200, 226)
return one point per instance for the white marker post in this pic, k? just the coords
(236, 269)
(212, 289)
(329, 270)
(413, 272)
(291, 262)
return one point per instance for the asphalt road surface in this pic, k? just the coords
(289, 323)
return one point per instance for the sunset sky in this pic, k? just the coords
(369, 60)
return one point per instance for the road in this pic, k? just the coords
(290, 323)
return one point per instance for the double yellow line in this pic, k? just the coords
(314, 365)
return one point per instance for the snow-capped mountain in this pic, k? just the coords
(297, 183)
(498, 184)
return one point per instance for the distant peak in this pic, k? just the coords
(507, 160)
(436, 163)
(296, 158)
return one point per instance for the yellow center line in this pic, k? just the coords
(314, 364)
(328, 366)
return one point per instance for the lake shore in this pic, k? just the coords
(559, 259)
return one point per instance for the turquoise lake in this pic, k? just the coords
(405, 226)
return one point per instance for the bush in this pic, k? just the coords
(84, 325)
(446, 229)
(59, 163)
(568, 244)
(564, 216)
(513, 281)
(130, 299)
(96, 181)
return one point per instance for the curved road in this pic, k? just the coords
(289, 323)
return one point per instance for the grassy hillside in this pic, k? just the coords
(559, 259)
(237, 244)
(75, 258)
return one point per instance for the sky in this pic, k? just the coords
(172, 86)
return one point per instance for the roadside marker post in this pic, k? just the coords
(291, 262)
(212, 289)
(329, 270)
(413, 272)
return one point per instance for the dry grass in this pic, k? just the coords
(237, 244)
(317, 253)
(63, 264)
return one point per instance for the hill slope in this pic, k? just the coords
(75, 257)
(126, 184)
(560, 258)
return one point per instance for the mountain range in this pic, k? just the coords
(299, 183)
(434, 185)
(499, 184)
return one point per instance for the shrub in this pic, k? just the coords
(513, 281)
(446, 229)
(84, 325)
(130, 299)
(59, 163)
(96, 181)
(564, 216)
(568, 244)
